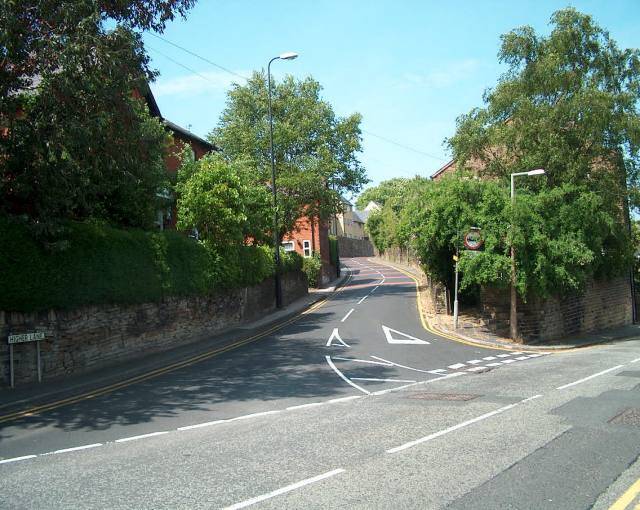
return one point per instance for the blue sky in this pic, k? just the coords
(409, 67)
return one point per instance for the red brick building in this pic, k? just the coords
(312, 236)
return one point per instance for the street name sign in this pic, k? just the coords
(26, 337)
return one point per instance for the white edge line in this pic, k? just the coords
(365, 297)
(76, 448)
(302, 406)
(284, 490)
(347, 316)
(590, 377)
(344, 377)
(254, 415)
(142, 436)
(357, 360)
(200, 425)
(343, 399)
(16, 459)
(382, 380)
(635, 360)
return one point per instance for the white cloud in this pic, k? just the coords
(440, 78)
(194, 84)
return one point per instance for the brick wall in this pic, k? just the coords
(604, 304)
(92, 337)
(349, 247)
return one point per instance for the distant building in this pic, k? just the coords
(350, 222)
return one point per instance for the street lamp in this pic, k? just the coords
(513, 312)
(284, 56)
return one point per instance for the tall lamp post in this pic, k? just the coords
(513, 312)
(276, 245)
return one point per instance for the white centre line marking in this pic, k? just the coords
(16, 459)
(363, 298)
(590, 377)
(143, 436)
(77, 448)
(458, 426)
(284, 490)
(347, 316)
(375, 288)
(254, 415)
(344, 377)
(635, 360)
(200, 425)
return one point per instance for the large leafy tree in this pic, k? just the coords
(77, 142)
(316, 151)
(382, 192)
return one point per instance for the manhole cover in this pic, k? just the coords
(630, 416)
(443, 396)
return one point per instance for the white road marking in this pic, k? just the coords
(476, 369)
(200, 425)
(363, 298)
(17, 459)
(437, 371)
(143, 436)
(344, 377)
(404, 366)
(494, 364)
(380, 380)
(535, 355)
(347, 316)
(284, 490)
(389, 390)
(302, 406)
(456, 366)
(409, 340)
(375, 288)
(335, 335)
(474, 361)
(388, 364)
(77, 448)
(520, 358)
(530, 398)
(502, 355)
(254, 415)
(516, 353)
(343, 399)
(590, 377)
(507, 361)
(489, 358)
(456, 427)
(635, 360)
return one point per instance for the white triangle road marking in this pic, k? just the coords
(407, 340)
(336, 336)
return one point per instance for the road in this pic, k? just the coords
(354, 404)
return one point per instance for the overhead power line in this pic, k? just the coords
(210, 62)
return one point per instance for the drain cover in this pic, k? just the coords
(443, 396)
(630, 416)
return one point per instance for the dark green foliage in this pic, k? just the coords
(103, 265)
(312, 266)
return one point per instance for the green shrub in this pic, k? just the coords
(311, 266)
(291, 261)
(101, 265)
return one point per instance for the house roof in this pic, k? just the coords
(189, 135)
(443, 169)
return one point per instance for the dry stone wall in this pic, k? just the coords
(92, 337)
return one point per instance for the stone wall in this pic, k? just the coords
(349, 247)
(603, 305)
(91, 337)
(433, 295)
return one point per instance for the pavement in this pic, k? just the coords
(354, 405)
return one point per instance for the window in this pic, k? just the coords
(306, 248)
(288, 246)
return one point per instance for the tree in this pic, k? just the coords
(382, 192)
(316, 151)
(77, 143)
(567, 103)
(219, 199)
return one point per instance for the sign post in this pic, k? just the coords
(21, 339)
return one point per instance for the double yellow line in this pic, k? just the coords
(627, 498)
(159, 371)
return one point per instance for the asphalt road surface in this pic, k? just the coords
(353, 405)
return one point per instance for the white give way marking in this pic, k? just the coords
(336, 336)
(406, 340)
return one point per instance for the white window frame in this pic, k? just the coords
(306, 248)
(289, 246)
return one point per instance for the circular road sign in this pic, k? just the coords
(473, 240)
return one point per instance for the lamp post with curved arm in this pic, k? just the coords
(276, 244)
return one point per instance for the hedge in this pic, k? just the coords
(103, 265)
